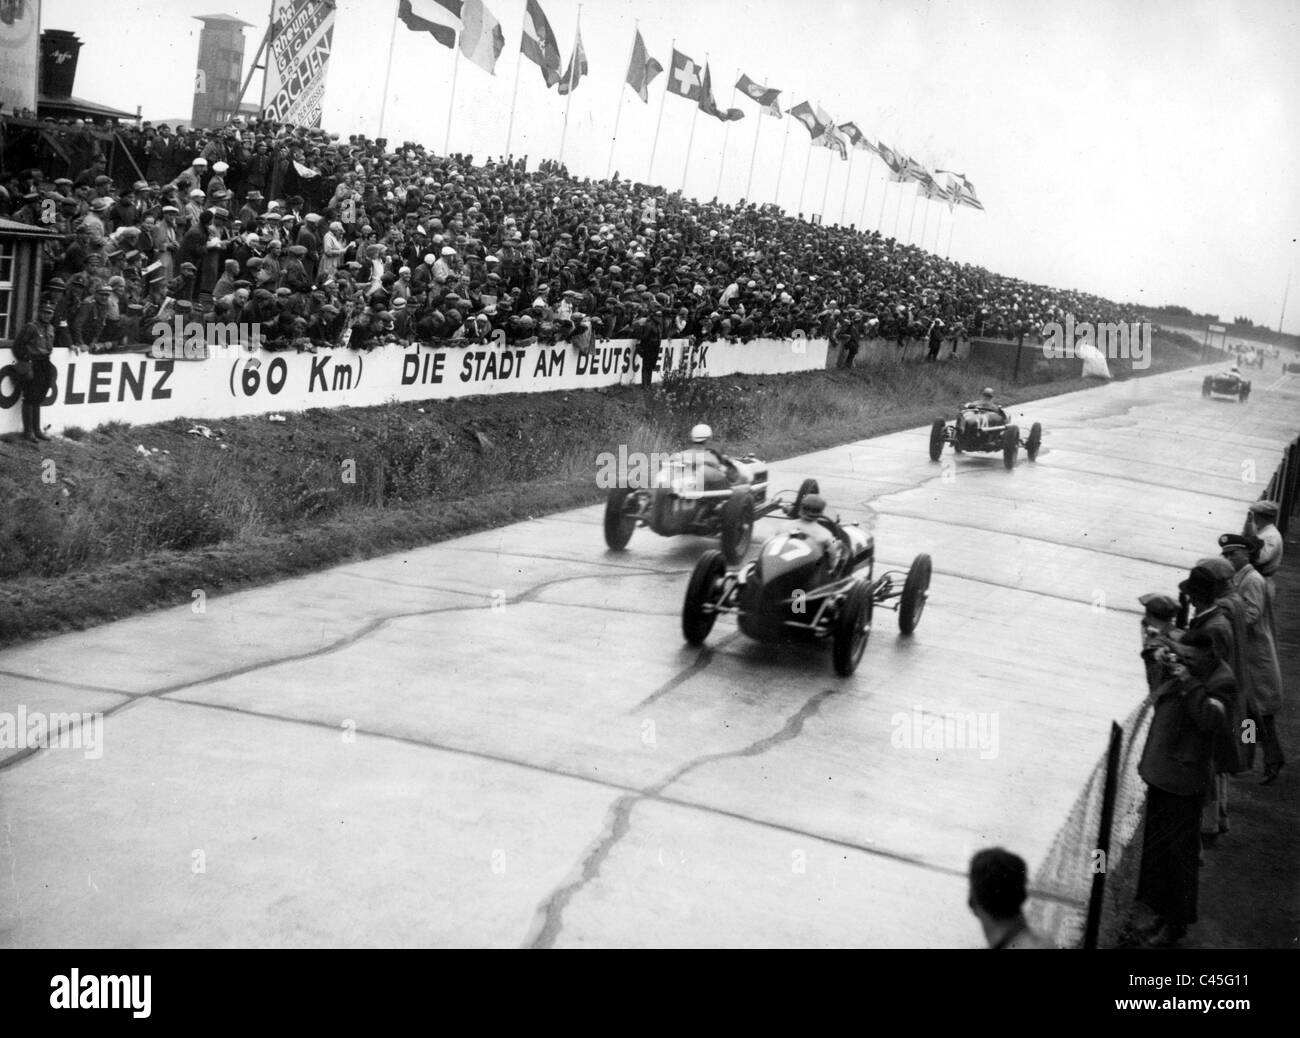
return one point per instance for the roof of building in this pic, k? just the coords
(77, 106)
(28, 229)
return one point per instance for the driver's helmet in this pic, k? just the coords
(987, 394)
(1234, 371)
(701, 434)
(813, 506)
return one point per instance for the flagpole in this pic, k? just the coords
(753, 155)
(690, 141)
(826, 188)
(848, 179)
(912, 219)
(938, 231)
(514, 97)
(780, 169)
(951, 226)
(726, 133)
(672, 49)
(925, 221)
(898, 209)
(451, 100)
(388, 75)
(618, 112)
(884, 200)
(573, 75)
(871, 169)
(806, 166)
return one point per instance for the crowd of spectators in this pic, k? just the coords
(325, 242)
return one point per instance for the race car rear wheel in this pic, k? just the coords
(737, 526)
(618, 524)
(1034, 442)
(851, 629)
(1010, 445)
(808, 486)
(936, 438)
(1245, 392)
(702, 591)
(1205, 387)
(916, 589)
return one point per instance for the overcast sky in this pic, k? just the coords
(1144, 151)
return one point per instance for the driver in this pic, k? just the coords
(700, 436)
(819, 530)
(985, 403)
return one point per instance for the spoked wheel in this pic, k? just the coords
(618, 524)
(1205, 388)
(916, 589)
(936, 438)
(697, 621)
(1010, 445)
(737, 527)
(1034, 442)
(851, 629)
(808, 486)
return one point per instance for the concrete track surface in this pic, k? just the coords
(502, 740)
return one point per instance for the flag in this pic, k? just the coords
(765, 96)
(965, 193)
(710, 107)
(857, 138)
(830, 136)
(577, 66)
(642, 69)
(481, 38)
(539, 44)
(439, 18)
(684, 77)
(805, 114)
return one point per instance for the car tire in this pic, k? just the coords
(1034, 442)
(808, 486)
(618, 524)
(936, 438)
(1205, 387)
(737, 526)
(1010, 445)
(1244, 394)
(697, 621)
(916, 589)
(851, 629)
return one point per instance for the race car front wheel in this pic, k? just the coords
(936, 438)
(702, 591)
(737, 526)
(1010, 445)
(916, 589)
(618, 524)
(1205, 388)
(1034, 442)
(851, 629)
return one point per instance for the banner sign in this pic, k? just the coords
(302, 33)
(20, 53)
(90, 389)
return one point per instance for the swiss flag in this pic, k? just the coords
(685, 77)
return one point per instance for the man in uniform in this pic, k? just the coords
(32, 351)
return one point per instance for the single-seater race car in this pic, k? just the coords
(1227, 383)
(697, 492)
(983, 427)
(807, 585)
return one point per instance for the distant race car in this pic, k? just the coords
(696, 492)
(981, 430)
(1228, 383)
(796, 590)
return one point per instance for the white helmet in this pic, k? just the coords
(701, 434)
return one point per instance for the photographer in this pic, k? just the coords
(1186, 685)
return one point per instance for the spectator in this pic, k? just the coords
(33, 368)
(1263, 518)
(1265, 696)
(997, 895)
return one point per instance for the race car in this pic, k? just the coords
(983, 427)
(697, 492)
(801, 588)
(1227, 383)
